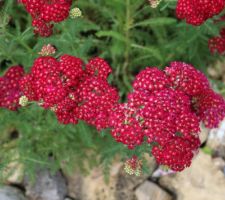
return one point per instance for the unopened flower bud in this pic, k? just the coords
(47, 50)
(75, 13)
(23, 101)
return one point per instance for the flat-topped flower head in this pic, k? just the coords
(45, 13)
(75, 13)
(10, 92)
(196, 12)
(217, 44)
(150, 79)
(177, 153)
(47, 50)
(186, 78)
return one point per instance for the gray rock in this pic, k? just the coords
(151, 191)
(125, 185)
(120, 186)
(47, 186)
(11, 193)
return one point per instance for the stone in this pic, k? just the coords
(74, 184)
(94, 187)
(11, 193)
(217, 70)
(13, 173)
(47, 186)
(216, 140)
(151, 191)
(202, 181)
(126, 184)
(17, 176)
(160, 172)
(204, 134)
(219, 163)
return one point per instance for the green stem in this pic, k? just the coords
(127, 43)
(25, 46)
(127, 32)
(35, 161)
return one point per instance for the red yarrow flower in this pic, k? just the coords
(150, 79)
(98, 67)
(125, 126)
(186, 78)
(165, 110)
(9, 90)
(45, 13)
(217, 44)
(210, 107)
(196, 12)
(177, 153)
(96, 99)
(42, 28)
(70, 90)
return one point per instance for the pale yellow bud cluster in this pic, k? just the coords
(23, 101)
(130, 171)
(133, 169)
(72, 96)
(47, 50)
(154, 3)
(54, 108)
(75, 13)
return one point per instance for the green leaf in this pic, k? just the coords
(111, 34)
(152, 50)
(84, 134)
(160, 21)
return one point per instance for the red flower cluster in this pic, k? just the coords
(126, 127)
(203, 99)
(210, 107)
(45, 13)
(217, 44)
(197, 12)
(186, 78)
(72, 92)
(166, 108)
(9, 88)
(177, 153)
